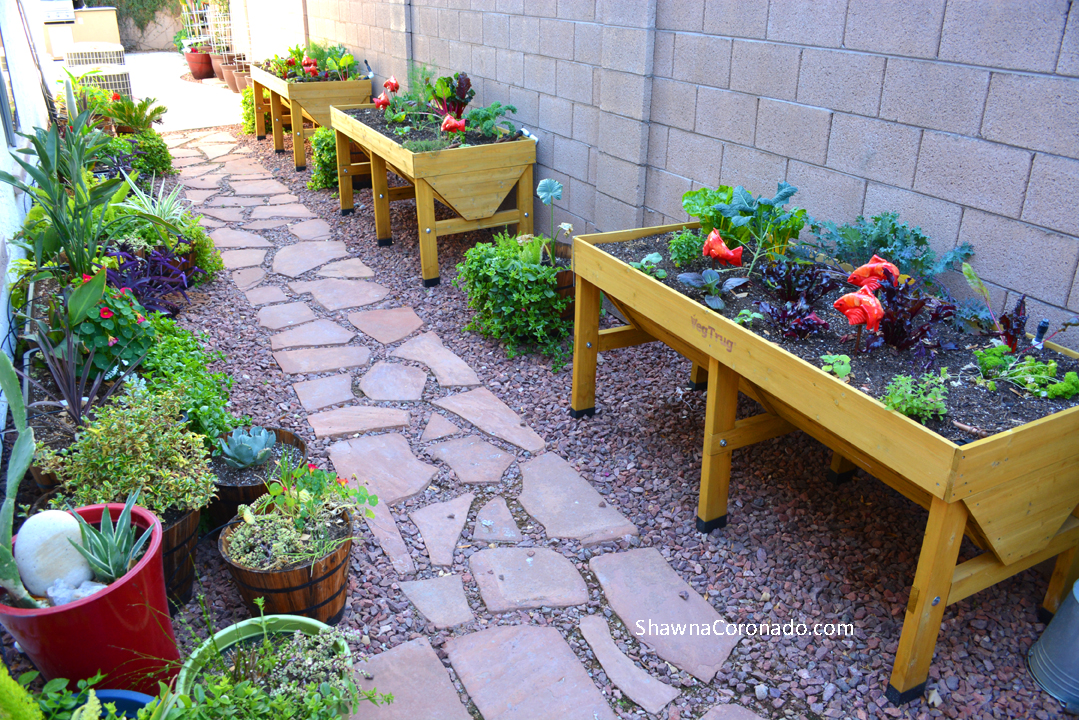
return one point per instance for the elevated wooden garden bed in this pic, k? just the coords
(1014, 494)
(471, 181)
(293, 103)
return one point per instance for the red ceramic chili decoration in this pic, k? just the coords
(871, 274)
(714, 247)
(861, 307)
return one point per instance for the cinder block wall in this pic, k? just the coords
(961, 115)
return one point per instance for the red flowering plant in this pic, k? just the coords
(115, 328)
(316, 62)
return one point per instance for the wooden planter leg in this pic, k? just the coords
(585, 349)
(524, 202)
(380, 198)
(1065, 574)
(842, 469)
(425, 214)
(277, 117)
(299, 152)
(720, 414)
(699, 377)
(260, 112)
(344, 180)
(928, 598)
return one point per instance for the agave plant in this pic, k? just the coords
(248, 448)
(111, 551)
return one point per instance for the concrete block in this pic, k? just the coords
(483, 61)
(425, 21)
(593, 166)
(680, 15)
(752, 169)
(693, 156)
(541, 8)
(624, 138)
(673, 103)
(470, 25)
(938, 219)
(557, 113)
(908, 29)
(827, 195)
(765, 69)
(807, 22)
(1073, 300)
(510, 67)
(657, 145)
(729, 116)
(663, 55)
(1051, 194)
(627, 49)
(527, 104)
(585, 123)
(449, 27)
(664, 191)
(620, 179)
(971, 172)
(797, 131)
(484, 5)
(702, 59)
(582, 199)
(627, 13)
(1039, 113)
(613, 214)
(736, 18)
(934, 95)
(461, 57)
(1037, 310)
(996, 240)
(496, 30)
(846, 81)
(625, 94)
(874, 149)
(1009, 35)
(524, 34)
(544, 147)
(510, 7)
(556, 38)
(571, 157)
(574, 81)
(539, 73)
(583, 10)
(1068, 63)
(588, 43)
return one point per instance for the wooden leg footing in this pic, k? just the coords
(578, 414)
(1044, 615)
(348, 211)
(700, 386)
(840, 478)
(260, 137)
(895, 697)
(301, 168)
(279, 151)
(431, 282)
(708, 526)
(385, 242)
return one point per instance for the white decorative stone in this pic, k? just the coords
(44, 555)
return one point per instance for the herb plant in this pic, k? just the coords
(793, 319)
(685, 247)
(1000, 363)
(649, 266)
(922, 399)
(709, 280)
(792, 279)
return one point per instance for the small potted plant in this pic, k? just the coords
(247, 457)
(292, 545)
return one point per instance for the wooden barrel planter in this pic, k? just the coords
(178, 556)
(229, 497)
(315, 590)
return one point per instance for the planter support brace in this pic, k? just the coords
(719, 419)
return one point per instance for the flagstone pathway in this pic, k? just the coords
(517, 671)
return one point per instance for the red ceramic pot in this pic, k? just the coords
(124, 630)
(199, 64)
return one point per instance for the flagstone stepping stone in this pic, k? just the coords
(481, 408)
(440, 525)
(276, 317)
(221, 136)
(473, 459)
(195, 170)
(207, 222)
(236, 259)
(522, 672)
(252, 176)
(265, 295)
(185, 153)
(393, 381)
(315, 360)
(259, 187)
(385, 530)
(282, 199)
(438, 427)
(234, 155)
(248, 278)
(292, 210)
(230, 214)
(567, 505)
(323, 392)
(319, 332)
(641, 586)
(386, 462)
(203, 182)
(297, 259)
(523, 578)
(387, 326)
(182, 162)
(265, 224)
(441, 600)
(335, 294)
(635, 683)
(198, 196)
(494, 523)
(234, 201)
(356, 419)
(351, 268)
(449, 369)
(229, 238)
(416, 678)
(215, 151)
(730, 712)
(311, 230)
(246, 166)
(175, 140)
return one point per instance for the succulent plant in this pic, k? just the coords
(246, 448)
(111, 552)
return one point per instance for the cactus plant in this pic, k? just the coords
(247, 448)
(22, 454)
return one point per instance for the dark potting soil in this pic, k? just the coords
(376, 120)
(969, 404)
(256, 475)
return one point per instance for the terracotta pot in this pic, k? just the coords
(123, 630)
(230, 497)
(242, 79)
(200, 65)
(215, 61)
(229, 71)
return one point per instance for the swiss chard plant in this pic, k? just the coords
(701, 204)
(451, 95)
(713, 285)
(764, 224)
